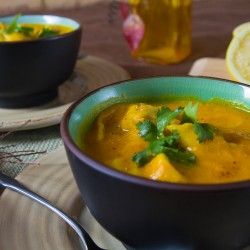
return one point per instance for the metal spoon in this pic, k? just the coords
(14, 185)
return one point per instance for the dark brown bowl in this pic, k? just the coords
(147, 214)
(31, 71)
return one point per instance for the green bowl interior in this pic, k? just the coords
(151, 90)
(43, 19)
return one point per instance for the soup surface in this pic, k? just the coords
(15, 31)
(178, 141)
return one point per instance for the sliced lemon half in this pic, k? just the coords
(238, 56)
(240, 28)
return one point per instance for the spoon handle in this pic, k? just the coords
(14, 185)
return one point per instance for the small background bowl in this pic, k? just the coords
(31, 71)
(146, 214)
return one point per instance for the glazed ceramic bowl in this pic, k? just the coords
(147, 214)
(31, 71)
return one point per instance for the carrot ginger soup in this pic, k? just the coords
(177, 141)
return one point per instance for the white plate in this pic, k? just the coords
(90, 73)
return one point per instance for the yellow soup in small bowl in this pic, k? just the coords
(15, 31)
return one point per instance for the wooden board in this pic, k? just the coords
(26, 225)
(214, 67)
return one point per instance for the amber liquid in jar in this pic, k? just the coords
(167, 34)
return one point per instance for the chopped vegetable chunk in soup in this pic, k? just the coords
(179, 142)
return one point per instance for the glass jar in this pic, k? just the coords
(158, 31)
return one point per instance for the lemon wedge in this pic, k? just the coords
(238, 55)
(240, 28)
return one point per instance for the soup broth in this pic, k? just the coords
(178, 141)
(28, 31)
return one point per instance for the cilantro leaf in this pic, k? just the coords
(190, 112)
(47, 32)
(204, 131)
(154, 148)
(24, 30)
(158, 146)
(173, 139)
(164, 118)
(15, 27)
(170, 145)
(147, 130)
(141, 158)
(181, 156)
(13, 24)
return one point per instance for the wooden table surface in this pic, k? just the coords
(213, 22)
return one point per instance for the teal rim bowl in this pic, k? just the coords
(149, 214)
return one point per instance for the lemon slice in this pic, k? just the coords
(240, 28)
(238, 56)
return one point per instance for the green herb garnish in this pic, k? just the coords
(168, 145)
(15, 27)
(161, 141)
(141, 158)
(181, 156)
(13, 24)
(165, 117)
(24, 30)
(203, 131)
(147, 130)
(190, 112)
(47, 32)
(171, 140)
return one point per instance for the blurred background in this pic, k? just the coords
(212, 24)
(7, 7)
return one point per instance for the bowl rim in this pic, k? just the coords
(78, 29)
(142, 181)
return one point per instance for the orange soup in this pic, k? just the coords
(177, 141)
(15, 31)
